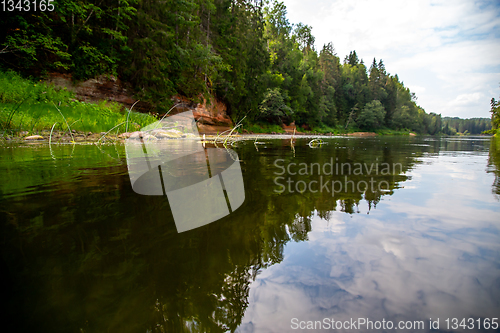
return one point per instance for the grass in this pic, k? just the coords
(263, 128)
(323, 129)
(31, 106)
(386, 131)
(14, 89)
(341, 130)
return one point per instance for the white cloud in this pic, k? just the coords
(467, 99)
(440, 49)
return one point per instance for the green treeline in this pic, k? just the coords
(245, 53)
(452, 126)
(495, 116)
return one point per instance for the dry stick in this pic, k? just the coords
(50, 141)
(50, 137)
(318, 142)
(128, 114)
(219, 134)
(230, 133)
(117, 153)
(103, 152)
(109, 131)
(255, 144)
(237, 125)
(73, 150)
(217, 137)
(159, 121)
(70, 126)
(113, 129)
(72, 138)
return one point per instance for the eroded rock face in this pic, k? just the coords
(211, 116)
(289, 129)
(108, 88)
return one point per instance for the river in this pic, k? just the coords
(352, 234)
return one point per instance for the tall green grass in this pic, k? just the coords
(14, 89)
(262, 128)
(323, 129)
(388, 131)
(31, 106)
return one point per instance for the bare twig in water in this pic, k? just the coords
(128, 114)
(159, 121)
(315, 143)
(230, 133)
(232, 130)
(255, 144)
(50, 137)
(69, 128)
(98, 141)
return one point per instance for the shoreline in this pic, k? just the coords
(79, 137)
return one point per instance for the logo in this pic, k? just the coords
(202, 184)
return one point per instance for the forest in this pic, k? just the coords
(495, 117)
(244, 53)
(452, 126)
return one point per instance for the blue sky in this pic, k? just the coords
(447, 52)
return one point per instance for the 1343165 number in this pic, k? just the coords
(472, 324)
(27, 5)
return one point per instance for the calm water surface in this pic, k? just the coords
(413, 235)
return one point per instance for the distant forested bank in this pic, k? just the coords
(452, 126)
(243, 53)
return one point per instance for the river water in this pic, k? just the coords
(355, 234)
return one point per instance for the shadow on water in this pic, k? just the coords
(83, 252)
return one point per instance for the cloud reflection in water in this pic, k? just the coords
(432, 250)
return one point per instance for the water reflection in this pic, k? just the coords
(494, 164)
(431, 251)
(88, 254)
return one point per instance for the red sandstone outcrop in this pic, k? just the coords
(108, 88)
(211, 116)
(290, 129)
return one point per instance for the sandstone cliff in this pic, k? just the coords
(211, 115)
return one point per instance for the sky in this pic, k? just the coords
(446, 52)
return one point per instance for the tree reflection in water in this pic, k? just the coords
(494, 163)
(85, 253)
